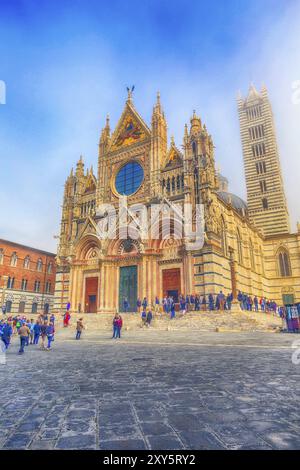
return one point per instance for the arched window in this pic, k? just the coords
(1, 255)
(49, 270)
(27, 262)
(22, 307)
(224, 237)
(13, 259)
(39, 265)
(239, 247)
(46, 308)
(251, 253)
(284, 264)
(8, 306)
(265, 203)
(34, 307)
(10, 282)
(194, 147)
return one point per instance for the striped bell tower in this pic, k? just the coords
(265, 190)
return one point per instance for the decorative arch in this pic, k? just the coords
(88, 247)
(283, 262)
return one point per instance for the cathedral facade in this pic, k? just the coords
(242, 246)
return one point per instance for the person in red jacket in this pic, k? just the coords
(117, 326)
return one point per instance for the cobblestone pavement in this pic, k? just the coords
(152, 390)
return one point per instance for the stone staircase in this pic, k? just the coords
(202, 321)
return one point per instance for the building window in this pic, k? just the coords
(48, 287)
(24, 284)
(239, 247)
(49, 270)
(37, 286)
(263, 186)
(265, 203)
(13, 259)
(39, 265)
(21, 307)
(27, 262)
(284, 263)
(46, 308)
(34, 307)
(1, 255)
(8, 306)
(10, 282)
(129, 178)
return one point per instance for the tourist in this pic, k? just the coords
(138, 304)
(24, 333)
(52, 318)
(36, 332)
(172, 309)
(203, 303)
(44, 334)
(125, 304)
(211, 302)
(7, 332)
(197, 303)
(156, 306)
(182, 305)
(145, 303)
(144, 316)
(79, 328)
(50, 335)
(67, 317)
(255, 301)
(117, 326)
(149, 318)
(31, 330)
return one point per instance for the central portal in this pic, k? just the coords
(128, 288)
(171, 283)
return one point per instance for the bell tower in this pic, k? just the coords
(265, 190)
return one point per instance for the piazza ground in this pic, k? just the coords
(152, 390)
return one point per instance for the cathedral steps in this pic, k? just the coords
(202, 321)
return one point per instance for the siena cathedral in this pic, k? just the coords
(250, 241)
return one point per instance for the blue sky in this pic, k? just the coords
(66, 65)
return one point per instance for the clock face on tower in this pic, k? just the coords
(129, 178)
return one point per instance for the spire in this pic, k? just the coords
(80, 167)
(129, 94)
(252, 93)
(195, 123)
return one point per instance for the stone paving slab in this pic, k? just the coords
(153, 390)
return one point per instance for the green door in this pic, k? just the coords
(128, 288)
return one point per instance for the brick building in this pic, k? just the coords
(27, 278)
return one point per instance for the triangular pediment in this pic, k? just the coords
(89, 227)
(131, 129)
(90, 186)
(174, 157)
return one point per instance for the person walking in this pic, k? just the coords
(144, 316)
(126, 305)
(149, 318)
(36, 332)
(24, 333)
(7, 332)
(79, 328)
(50, 335)
(31, 331)
(44, 334)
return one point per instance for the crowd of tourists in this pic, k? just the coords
(31, 332)
(195, 302)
